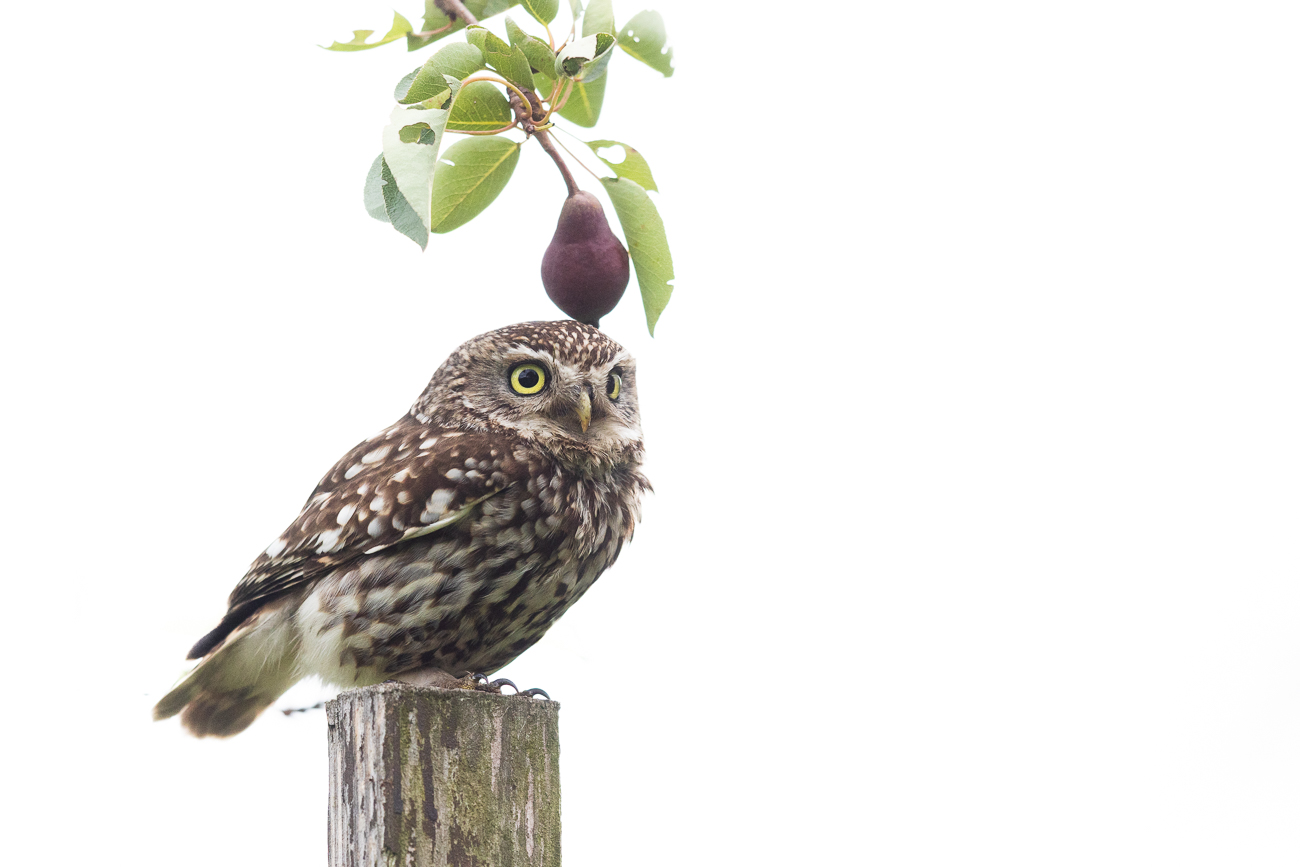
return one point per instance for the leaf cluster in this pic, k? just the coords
(486, 87)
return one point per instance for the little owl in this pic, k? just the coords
(446, 544)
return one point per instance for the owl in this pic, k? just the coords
(448, 543)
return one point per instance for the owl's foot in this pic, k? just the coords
(482, 684)
(477, 682)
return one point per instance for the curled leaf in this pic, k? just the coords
(585, 59)
(399, 210)
(374, 192)
(411, 143)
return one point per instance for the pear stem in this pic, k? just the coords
(544, 138)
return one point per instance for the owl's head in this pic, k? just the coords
(564, 387)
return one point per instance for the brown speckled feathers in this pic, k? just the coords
(451, 540)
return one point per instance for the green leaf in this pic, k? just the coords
(374, 192)
(400, 28)
(543, 10)
(470, 175)
(599, 18)
(633, 167)
(647, 244)
(411, 143)
(436, 19)
(540, 56)
(404, 86)
(644, 37)
(507, 59)
(542, 84)
(480, 107)
(583, 105)
(457, 60)
(585, 59)
(575, 6)
(399, 210)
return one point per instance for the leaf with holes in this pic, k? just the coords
(633, 166)
(599, 18)
(583, 105)
(507, 59)
(469, 177)
(436, 20)
(411, 143)
(543, 10)
(585, 59)
(645, 38)
(480, 107)
(457, 60)
(400, 28)
(647, 244)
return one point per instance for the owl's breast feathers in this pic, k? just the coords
(411, 480)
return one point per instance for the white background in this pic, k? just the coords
(973, 424)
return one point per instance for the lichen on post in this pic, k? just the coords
(423, 776)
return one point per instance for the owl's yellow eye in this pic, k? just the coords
(613, 386)
(528, 378)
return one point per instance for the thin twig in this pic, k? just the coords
(427, 33)
(564, 100)
(495, 80)
(575, 156)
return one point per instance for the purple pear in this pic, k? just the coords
(585, 268)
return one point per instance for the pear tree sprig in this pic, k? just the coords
(486, 87)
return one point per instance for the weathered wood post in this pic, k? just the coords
(422, 776)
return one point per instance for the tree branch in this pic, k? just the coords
(454, 9)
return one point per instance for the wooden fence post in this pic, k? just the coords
(422, 776)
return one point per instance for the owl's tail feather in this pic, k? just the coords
(227, 690)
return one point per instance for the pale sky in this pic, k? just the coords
(973, 425)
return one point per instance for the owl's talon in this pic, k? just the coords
(503, 681)
(535, 691)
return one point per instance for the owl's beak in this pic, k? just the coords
(584, 410)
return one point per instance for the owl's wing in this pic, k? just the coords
(406, 482)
